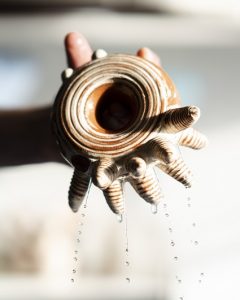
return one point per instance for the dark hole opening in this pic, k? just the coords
(116, 108)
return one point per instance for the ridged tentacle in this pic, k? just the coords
(114, 197)
(161, 149)
(148, 187)
(79, 186)
(179, 171)
(136, 167)
(192, 138)
(105, 172)
(175, 120)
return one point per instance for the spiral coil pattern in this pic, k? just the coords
(144, 79)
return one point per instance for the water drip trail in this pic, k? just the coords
(127, 263)
(83, 214)
(194, 241)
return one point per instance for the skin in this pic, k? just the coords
(26, 135)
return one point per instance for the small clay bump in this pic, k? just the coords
(99, 53)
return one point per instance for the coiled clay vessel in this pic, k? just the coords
(115, 119)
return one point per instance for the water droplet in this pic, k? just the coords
(189, 205)
(181, 298)
(188, 198)
(83, 215)
(179, 281)
(127, 263)
(74, 271)
(128, 279)
(154, 209)
(167, 215)
(175, 258)
(194, 224)
(85, 206)
(79, 232)
(78, 240)
(170, 230)
(165, 205)
(200, 281)
(72, 280)
(75, 258)
(81, 224)
(196, 243)
(202, 274)
(126, 250)
(76, 252)
(172, 243)
(120, 218)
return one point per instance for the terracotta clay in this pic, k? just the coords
(115, 119)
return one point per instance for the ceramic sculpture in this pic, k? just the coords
(115, 119)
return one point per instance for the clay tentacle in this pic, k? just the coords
(104, 173)
(80, 184)
(175, 120)
(192, 138)
(160, 149)
(148, 187)
(136, 167)
(114, 197)
(179, 171)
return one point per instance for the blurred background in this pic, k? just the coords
(190, 249)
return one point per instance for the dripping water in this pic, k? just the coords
(127, 263)
(79, 233)
(154, 208)
(120, 218)
(193, 241)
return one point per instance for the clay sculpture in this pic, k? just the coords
(115, 120)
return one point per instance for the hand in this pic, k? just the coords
(79, 51)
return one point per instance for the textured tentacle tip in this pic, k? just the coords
(192, 138)
(114, 197)
(178, 119)
(161, 149)
(194, 112)
(148, 187)
(136, 167)
(105, 172)
(79, 187)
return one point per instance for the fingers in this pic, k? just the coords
(149, 55)
(78, 50)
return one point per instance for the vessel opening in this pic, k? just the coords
(112, 107)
